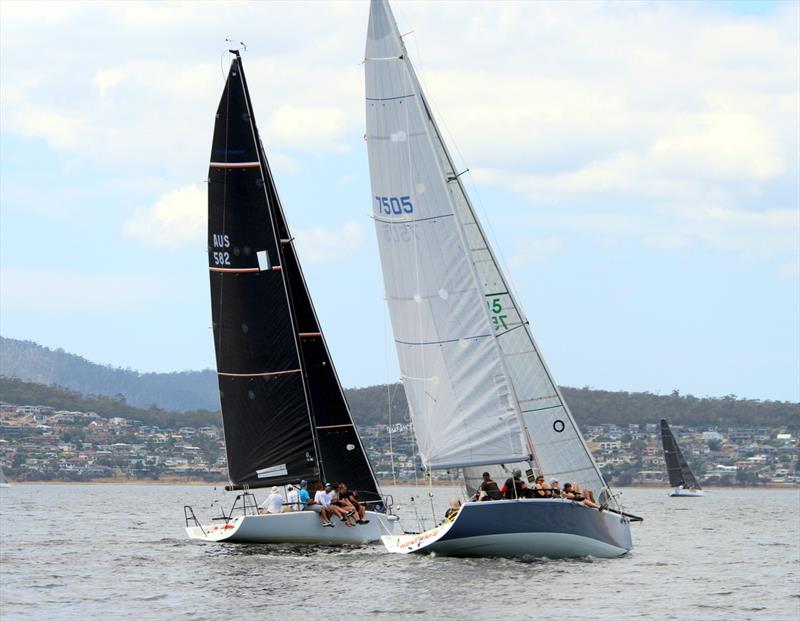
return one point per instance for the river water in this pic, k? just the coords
(119, 552)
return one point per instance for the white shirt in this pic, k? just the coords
(292, 499)
(323, 498)
(273, 503)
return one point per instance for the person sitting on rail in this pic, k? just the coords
(452, 511)
(273, 503)
(359, 507)
(515, 487)
(292, 500)
(340, 506)
(488, 489)
(567, 492)
(588, 499)
(555, 491)
(322, 505)
(303, 498)
(540, 489)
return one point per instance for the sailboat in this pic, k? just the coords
(285, 416)
(680, 475)
(480, 394)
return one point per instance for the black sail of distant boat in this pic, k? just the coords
(284, 412)
(677, 468)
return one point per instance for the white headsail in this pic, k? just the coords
(478, 389)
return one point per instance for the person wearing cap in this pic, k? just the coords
(303, 499)
(515, 487)
(322, 504)
(273, 503)
(292, 503)
(555, 491)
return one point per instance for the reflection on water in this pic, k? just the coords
(80, 552)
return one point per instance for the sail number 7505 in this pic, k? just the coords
(394, 205)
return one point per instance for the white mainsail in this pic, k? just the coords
(475, 380)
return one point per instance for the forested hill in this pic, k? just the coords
(196, 390)
(597, 407)
(19, 392)
(187, 390)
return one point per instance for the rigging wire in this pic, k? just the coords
(452, 142)
(389, 395)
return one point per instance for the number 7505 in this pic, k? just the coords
(394, 205)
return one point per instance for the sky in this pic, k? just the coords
(635, 163)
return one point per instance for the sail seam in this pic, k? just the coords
(446, 215)
(549, 407)
(234, 164)
(390, 98)
(234, 269)
(464, 338)
(259, 374)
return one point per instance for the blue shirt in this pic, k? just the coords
(303, 497)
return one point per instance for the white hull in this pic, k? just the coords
(296, 527)
(679, 491)
(539, 528)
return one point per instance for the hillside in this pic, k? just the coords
(187, 390)
(19, 392)
(196, 391)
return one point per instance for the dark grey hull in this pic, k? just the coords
(541, 528)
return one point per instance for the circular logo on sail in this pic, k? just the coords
(558, 425)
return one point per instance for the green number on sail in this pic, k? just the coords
(498, 320)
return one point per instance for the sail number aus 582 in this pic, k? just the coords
(221, 241)
(394, 205)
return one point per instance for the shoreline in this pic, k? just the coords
(382, 483)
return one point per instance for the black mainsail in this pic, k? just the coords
(284, 411)
(677, 468)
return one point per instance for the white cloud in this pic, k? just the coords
(106, 80)
(671, 108)
(321, 245)
(24, 289)
(60, 130)
(308, 128)
(535, 250)
(176, 220)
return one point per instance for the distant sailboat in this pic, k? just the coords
(284, 412)
(680, 475)
(479, 392)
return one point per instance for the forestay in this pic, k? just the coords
(408, 159)
(458, 392)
